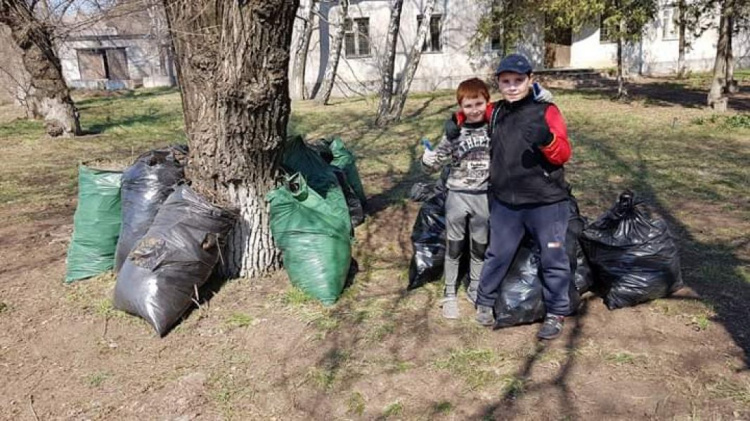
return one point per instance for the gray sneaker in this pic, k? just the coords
(450, 308)
(552, 327)
(484, 315)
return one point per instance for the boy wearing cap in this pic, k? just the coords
(528, 193)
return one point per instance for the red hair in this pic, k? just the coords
(472, 88)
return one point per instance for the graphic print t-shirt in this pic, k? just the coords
(469, 158)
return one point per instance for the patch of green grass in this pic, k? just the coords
(442, 407)
(322, 378)
(356, 404)
(513, 386)
(380, 331)
(96, 379)
(621, 358)
(700, 322)
(393, 410)
(295, 297)
(477, 367)
(239, 320)
(3, 307)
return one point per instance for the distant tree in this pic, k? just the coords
(47, 86)
(724, 60)
(625, 21)
(335, 56)
(303, 48)
(233, 67)
(398, 100)
(389, 63)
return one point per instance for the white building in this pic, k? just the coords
(447, 59)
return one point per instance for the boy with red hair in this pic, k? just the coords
(468, 154)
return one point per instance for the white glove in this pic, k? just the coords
(541, 94)
(429, 158)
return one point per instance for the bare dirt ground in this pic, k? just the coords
(257, 349)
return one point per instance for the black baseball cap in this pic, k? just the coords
(515, 63)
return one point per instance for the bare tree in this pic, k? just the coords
(333, 61)
(300, 56)
(48, 87)
(412, 63)
(389, 62)
(724, 62)
(233, 62)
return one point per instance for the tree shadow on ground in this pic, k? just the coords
(150, 118)
(724, 291)
(506, 407)
(664, 93)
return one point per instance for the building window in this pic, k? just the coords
(357, 37)
(107, 63)
(496, 44)
(433, 43)
(669, 24)
(605, 33)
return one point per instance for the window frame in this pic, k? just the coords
(354, 36)
(604, 36)
(669, 13)
(430, 41)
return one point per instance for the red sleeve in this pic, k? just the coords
(558, 152)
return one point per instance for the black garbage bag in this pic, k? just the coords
(356, 210)
(428, 241)
(579, 265)
(633, 256)
(145, 186)
(177, 255)
(520, 299)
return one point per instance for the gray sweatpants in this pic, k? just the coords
(466, 220)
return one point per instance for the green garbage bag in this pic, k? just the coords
(96, 224)
(313, 236)
(319, 176)
(345, 160)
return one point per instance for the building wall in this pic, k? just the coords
(142, 57)
(437, 70)
(657, 53)
(356, 76)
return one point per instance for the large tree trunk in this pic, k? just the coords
(335, 56)
(682, 43)
(412, 63)
(388, 64)
(300, 57)
(48, 88)
(717, 98)
(232, 63)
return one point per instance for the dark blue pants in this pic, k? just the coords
(547, 225)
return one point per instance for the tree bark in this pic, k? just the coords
(412, 63)
(232, 63)
(48, 88)
(389, 61)
(682, 43)
(730, 85)
(335, 56)
(717, 98)
(621, 89)
(300, 58)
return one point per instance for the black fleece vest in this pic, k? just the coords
(520, 174)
